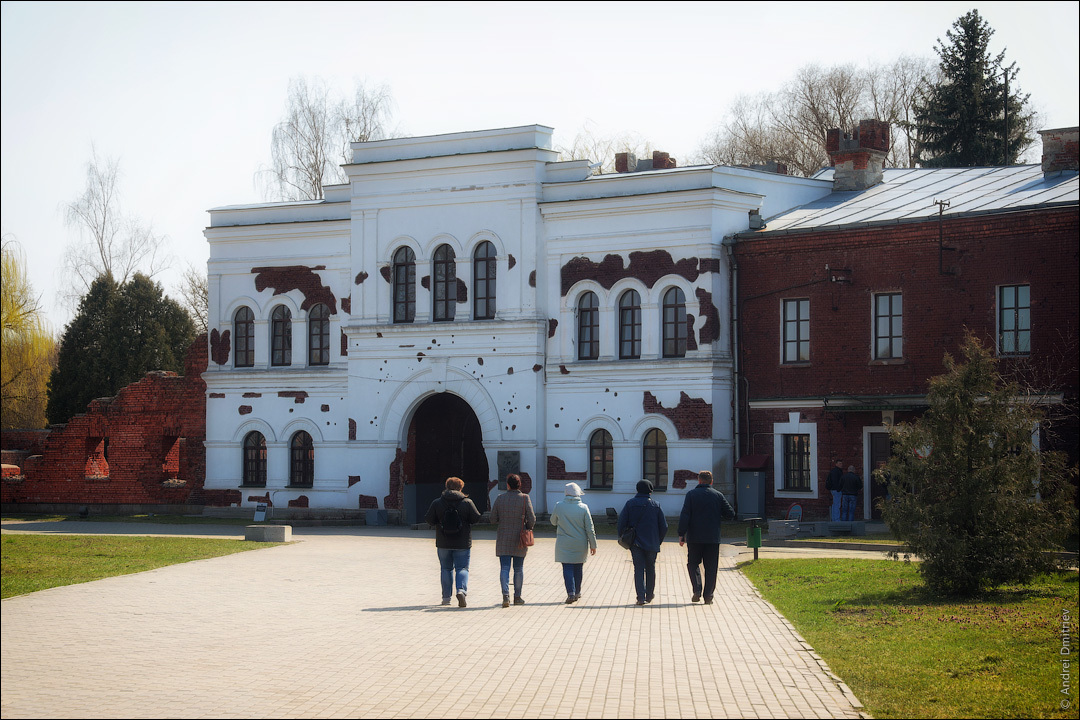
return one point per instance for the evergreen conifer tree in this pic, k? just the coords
(961, 120)
(120, 333)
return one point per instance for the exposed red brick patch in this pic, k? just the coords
(556, 470)
(537, 367)
(425, 282)
(511, 261)
(387, 274)
(526, 482)
(509, 371)
(691, 337)
(300, 502)
(532, 278)
(298, 396)
(219, 346)
(395, 498)
(353, 479)
(369, 502)
(352, 429)
(244, 409)
(462, 291)
(646, 266)
(324, 408)
(252, 395)
(221, 498)
(563, 370)
(360, 278)
(217, 395)
(709, 265)
(346, 304)
(710, 331)
(552, 324)
(262, 499)
(344, 344)
(296, 277)
(682, 477)
(692, 417)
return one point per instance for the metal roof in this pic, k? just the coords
(908, 194)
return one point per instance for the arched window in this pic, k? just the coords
(674, 323)
(654, 459)
(302, 460)
(319, 335)
(244, 333)
(404, 285)
(254, 460)
(281, 336)
(601, 460)
(588, 327)
(484, 281)
(630, 325)
(444, 292)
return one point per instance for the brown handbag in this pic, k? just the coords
(527, 539)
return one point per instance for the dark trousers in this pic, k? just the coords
(709, 554)
(644, 573)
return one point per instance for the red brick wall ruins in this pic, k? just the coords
(144, 446)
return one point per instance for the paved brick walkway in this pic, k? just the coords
(346, 623)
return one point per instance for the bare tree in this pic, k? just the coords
(308, 146)
(194, 291)
(789, 124)
(111, 243)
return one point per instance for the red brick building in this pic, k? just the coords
(846, 306)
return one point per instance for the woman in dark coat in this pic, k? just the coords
(453, 514)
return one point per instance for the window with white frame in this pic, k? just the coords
(1014, 320)
(796, 330)
(794, 457)
(796, 462)
(888, 326)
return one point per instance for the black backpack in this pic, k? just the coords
(451, 520)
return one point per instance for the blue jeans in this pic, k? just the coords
(451, 560)
(571, 575)
(504, 574)
(847, 507)
(644, 572)
(834, 511)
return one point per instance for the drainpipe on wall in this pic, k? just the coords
(733, 273)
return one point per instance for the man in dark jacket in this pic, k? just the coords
(647, 518)
(832, 484)
(850, 487)
(699, 529)
(453, 514)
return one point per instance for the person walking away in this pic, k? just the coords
(832, 484)
(512, 511)
(647, 518)
(850, 487)
(699, 529)
(575, 539)
(453, 514)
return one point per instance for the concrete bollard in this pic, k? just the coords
(268, 533)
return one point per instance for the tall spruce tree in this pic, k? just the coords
(119, 334)
(961, 121)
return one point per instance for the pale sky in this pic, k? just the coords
(186, 95)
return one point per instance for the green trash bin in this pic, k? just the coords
(753, 537)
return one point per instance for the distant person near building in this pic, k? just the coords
(832, 484)
(647, 518)
(850, 487)
(699, 529)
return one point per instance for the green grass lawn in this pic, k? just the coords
(906, 653)
(36, 562)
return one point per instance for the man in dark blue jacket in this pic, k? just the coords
(646, 516)
(699, 530)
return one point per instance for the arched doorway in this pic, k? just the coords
(445, 440)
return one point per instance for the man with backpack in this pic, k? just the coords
(453, 514)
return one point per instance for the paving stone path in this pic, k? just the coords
(346, 622)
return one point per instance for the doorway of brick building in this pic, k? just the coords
(446, 441)
(880, 450)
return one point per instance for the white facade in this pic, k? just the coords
(558, 231)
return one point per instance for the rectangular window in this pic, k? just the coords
(1014, 320)
(888, 326)
(797, 462)
(796, 331)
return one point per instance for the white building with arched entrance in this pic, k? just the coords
(468, 305)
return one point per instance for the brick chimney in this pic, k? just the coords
(1060, 150)
(627, 162)
(858, 158)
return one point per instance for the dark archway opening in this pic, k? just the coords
(445, 440)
